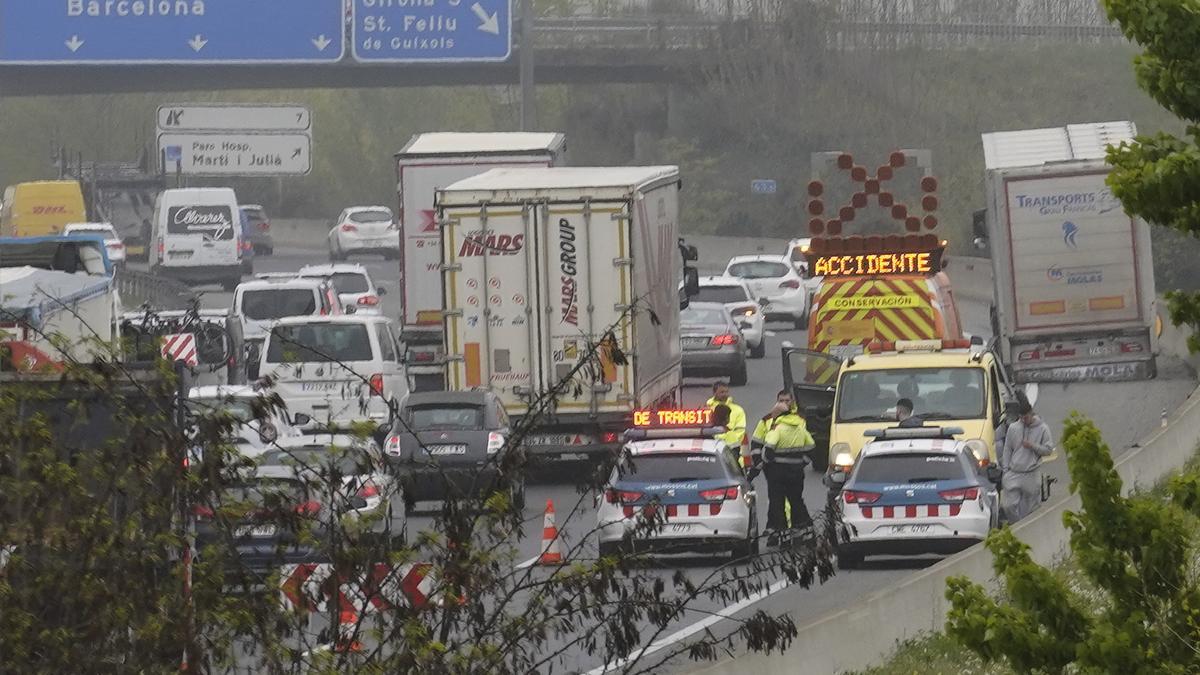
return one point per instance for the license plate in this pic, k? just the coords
(557, 439)
(680, 527)
(255, 531)
(1103, 350)
(318, 386)
(572, 457)
(911, 529)
(180, 254)
(457, 449)
(695, 343)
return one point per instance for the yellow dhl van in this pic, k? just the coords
(951, 383)
(41, 207)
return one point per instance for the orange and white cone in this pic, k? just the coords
(347, 625)
(551, 547)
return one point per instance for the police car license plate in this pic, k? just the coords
(255, 531)
(911, 529)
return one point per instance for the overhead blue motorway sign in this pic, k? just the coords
(432, 31)
(53, 32)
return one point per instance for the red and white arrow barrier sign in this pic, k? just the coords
(180, 347)
(309, 587)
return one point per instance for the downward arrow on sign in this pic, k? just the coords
(491, 22)
(198, 42)
(74, 43)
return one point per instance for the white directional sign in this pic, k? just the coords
(208, 154)
(204, 117)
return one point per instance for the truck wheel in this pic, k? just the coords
(759, 351)
(739, 378)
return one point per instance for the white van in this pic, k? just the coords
(197, 236)
(338, 370)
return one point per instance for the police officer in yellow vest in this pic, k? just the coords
(784, 412)
(735, 435)
(734, 438)
(786, 448)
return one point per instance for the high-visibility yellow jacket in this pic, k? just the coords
(735, 436)
(789, 443)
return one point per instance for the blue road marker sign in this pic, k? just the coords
(432, 31)
(89, 32)
(763, 187)
(174, 153)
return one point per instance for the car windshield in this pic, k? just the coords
(240, 409)
(371, 216)
(671, 467)
(936, 393)
(318, 458)
(758, 269)
(276, 303)
(721, 294)
(708, 316)
(264, 492)
(350, 282)
(445, 417)
(318, 343)
(909, 468)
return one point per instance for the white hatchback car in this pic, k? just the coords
(112, 241)
(737, 298)
(253, 436)
(364, 229)
(916, 491)
(338, 370)
(354, 286)
(773, 277)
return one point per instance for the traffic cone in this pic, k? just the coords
(347, 624)
(551, 550)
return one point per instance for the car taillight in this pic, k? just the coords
(308, 509)
(724, 340)
(495, 442)
(368, 300)
(116, 246)
(621, 496)
(720, 494)
(347, 227)
(859, 497)
(609, 437)
(162, 249)
(392, 445)
(961, 494)
(202, 512)
(377, 384)
(368, 490)
(264, 226)
(423, 357)
(789, 283)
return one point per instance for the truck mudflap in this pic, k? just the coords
(1106, 358)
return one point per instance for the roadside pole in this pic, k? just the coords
(528, 93)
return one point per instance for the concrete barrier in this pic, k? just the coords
(866, 633)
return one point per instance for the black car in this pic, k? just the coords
(453, 444)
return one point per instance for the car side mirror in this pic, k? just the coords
(691, 282)
(381, 291)
(977, 340)
(356, 502)
(837, 478)
(301, 420)
(351, 309)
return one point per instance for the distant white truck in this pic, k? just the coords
(429, 162)
(1073, 273)
(539, 265)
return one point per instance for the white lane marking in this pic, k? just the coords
(692, 629)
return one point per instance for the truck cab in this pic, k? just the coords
(950, 382)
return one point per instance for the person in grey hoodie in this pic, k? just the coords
(1027, 441)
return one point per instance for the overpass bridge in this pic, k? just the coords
(636, 43)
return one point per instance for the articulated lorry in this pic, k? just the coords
(1073, 273)
(119, 193)
(543, 267)
(429, 162)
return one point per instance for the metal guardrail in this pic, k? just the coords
(139, 288)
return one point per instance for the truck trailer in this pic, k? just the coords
(544, 267)
(1073, 272)
(429, 162)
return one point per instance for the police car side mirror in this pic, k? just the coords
(837, 478)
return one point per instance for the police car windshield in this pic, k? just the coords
(909, 468)
(672, 467)
(936, 393)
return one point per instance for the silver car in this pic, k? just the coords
(713, 344)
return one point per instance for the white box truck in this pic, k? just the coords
(538, 265)
(429, 162)
(1073, 274)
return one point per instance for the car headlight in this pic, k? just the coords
(979, 449)
(267, 433)
(841, 455)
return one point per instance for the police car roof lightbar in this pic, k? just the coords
(643, 434)
(899, 433)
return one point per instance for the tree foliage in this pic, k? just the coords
(1135, 551)
(1158, 176)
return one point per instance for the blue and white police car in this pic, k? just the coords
(676, 489)
(916, 491)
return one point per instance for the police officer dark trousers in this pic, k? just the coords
(786, 456)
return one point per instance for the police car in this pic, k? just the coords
(687, 476)
(915, 491)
